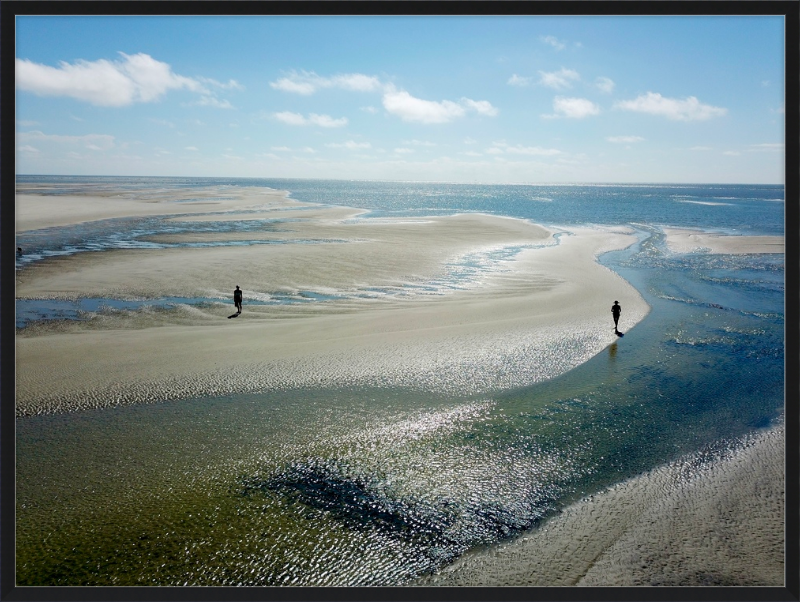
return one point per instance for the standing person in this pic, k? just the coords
(237, 299)
(615, 311)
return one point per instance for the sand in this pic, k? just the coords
(527, 319)
(710, 519)
(688, 241)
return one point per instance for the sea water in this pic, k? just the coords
(376, 486)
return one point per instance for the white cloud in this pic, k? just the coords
(553, 41)
(26, 123)
(419, 143)
(370, 110)
(27, 148)
(409, 108)
(210, 101)
(770, 146)
(573, 108)
(313, 119)
(469, 140)
(89, 141)
(701, 148)
(689, 109)
(190, 148)
(483, 107)
(605, 84)
(134, 78)
(350, 145)
(624, 139)
(163, 122)
(518, 80)
(326, 121)
(307, 83)
(290, 118)
(732, 153)
(503, 147)
(559, 80)
(403, 151)
(281, 148)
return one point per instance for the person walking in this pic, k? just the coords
(615, 311)
(237, 299)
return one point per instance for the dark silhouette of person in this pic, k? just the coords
(19, 251)
(615, 311)
(237, 299)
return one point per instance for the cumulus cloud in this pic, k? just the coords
(325, 121)
(97, 142)
(518, 149)
(769, 146)
(688, 109)
(419, 142)
(210, 101)
(350, 145)
(409, 108)
(308, 82)
(518, 80)
(559, 80)
(573, 108)
(133, 78)
(604, 84)
(624, 139)
(553, 41)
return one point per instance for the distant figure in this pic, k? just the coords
(237, 299)
(19, 251)
(615, 310)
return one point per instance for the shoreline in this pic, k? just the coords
(686, 523)
(527, 319)
(685, 240)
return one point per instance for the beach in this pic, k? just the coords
(704, 520)
(430, 341)
(466, 304)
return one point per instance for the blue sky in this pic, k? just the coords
(522, 99)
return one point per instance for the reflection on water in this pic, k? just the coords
(376, 486)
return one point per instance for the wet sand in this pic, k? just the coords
(686, 241)
(705, 520)
(538, 315)
(544, 312)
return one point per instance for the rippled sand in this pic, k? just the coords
(711, 519)
(686, 241)
(519, 322)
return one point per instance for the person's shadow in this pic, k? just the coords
(236, 315)
(618, 333)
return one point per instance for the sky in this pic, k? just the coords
(493, 99)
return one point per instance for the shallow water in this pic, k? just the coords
(375, 486)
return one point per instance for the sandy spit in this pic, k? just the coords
(686, 241)
(535, 316)
(710, 519)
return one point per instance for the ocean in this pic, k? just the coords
(379, 485)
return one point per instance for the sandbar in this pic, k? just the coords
(390, 321)
(692, 522)
(687, 241)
